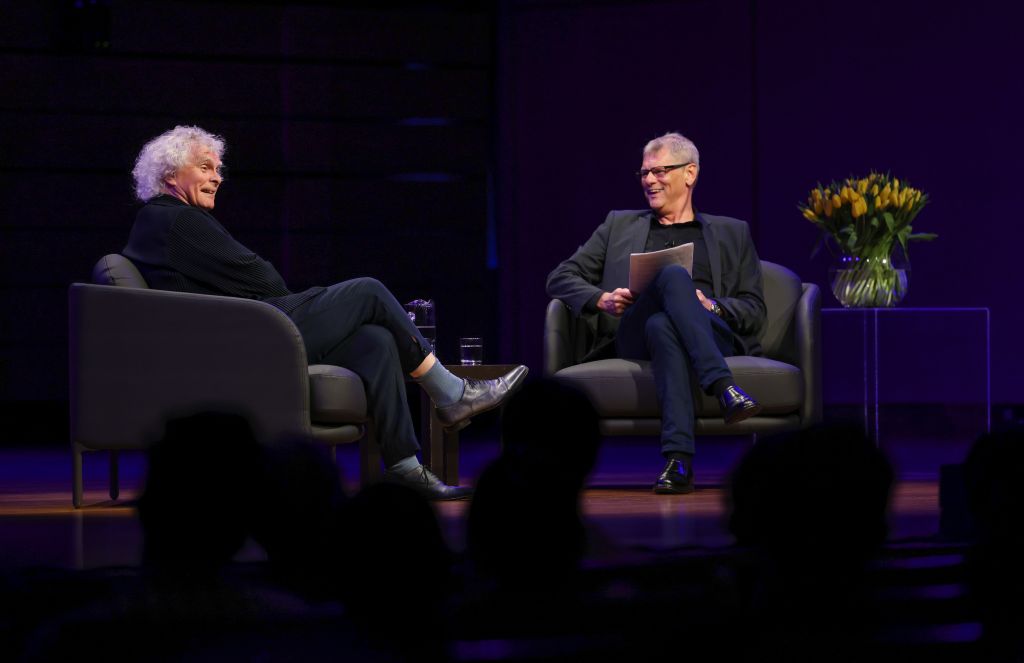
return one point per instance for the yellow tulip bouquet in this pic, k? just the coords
(866, 219)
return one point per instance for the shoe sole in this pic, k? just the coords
(658, 490)
(430, 497)
(459, 425)
(450, 499)
(455, 428)
(744, 414)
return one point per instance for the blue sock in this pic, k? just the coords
(441, 385)
(406, 465)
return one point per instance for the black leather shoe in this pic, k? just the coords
(675, 479)
(424, 482)
(480, 396)
(737, 405)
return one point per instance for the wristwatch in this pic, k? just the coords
(715, 308)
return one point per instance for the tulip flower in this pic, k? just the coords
(865, 216)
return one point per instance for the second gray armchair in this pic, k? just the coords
(786, 381)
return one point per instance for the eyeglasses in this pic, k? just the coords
(659, 171)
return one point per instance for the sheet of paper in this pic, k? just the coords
(643, 267)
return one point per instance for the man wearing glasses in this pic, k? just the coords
(684, 323)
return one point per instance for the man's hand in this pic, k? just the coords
(704, 301)
(616, 302)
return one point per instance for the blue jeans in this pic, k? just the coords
(668, 325)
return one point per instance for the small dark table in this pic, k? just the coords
(440, 449)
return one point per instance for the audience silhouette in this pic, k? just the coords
(300, 523)
(206, 492)
(524, 530)
(371, 577)
(810, 508)
(398, 572)
(992, 473)
(198, 505)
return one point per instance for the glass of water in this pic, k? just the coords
(471, 351)
(422, 313)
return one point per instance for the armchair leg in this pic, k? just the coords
(369, 456)
(115, 484)
(76, 476)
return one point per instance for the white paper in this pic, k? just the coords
(643, 267)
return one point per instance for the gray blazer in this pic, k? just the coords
(602, 264)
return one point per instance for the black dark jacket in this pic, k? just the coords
(602, 264)
(177, 246)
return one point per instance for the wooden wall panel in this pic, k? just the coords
(152, 86)
(427, 35)
(101, 200)
(55, 258)
(358, 144)
(287, 147)
(24, 306)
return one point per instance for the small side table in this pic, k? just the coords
(918, 378)
(440, 449)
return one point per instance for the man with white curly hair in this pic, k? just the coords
(177, 244)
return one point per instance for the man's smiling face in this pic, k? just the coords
(671, 190)
(198, 182)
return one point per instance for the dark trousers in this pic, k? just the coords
(668, 325)
(359, 325)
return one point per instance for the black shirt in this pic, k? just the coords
(177, 246)
(676, 234)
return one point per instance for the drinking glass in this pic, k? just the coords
(471, 351)
(422, 313)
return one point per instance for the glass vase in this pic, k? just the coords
(873, 281)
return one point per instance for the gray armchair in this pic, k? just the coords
(786, 380)
(138, 356)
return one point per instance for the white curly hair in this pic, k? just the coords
(168, 152)
(679, 146)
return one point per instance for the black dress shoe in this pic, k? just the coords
(675, 479)
(480, 396)
(737, 405)
(424, 482)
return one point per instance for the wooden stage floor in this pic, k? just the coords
(39, 527)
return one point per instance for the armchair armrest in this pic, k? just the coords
(558, 337)
(138, 356)
(808, 343)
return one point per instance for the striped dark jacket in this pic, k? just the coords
(180, 247)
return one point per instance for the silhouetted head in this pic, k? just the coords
(201, 483)
(550, 425)
(524, 529)
(394, 541)
(994, 476)
(298, 516)
(826, 487)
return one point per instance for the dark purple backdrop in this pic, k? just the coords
(407, 141)
(777, 96)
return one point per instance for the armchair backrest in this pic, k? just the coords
(115, 269)
(782, 291)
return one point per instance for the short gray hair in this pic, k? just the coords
(165, 154)
(679, 146)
